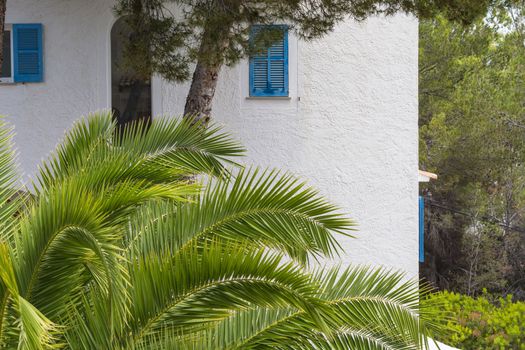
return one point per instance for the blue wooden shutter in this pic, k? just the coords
(27, 51)
(269, 69)
(421, 229)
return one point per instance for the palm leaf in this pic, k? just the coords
(265, 208)
(11, 196)
(371, 309)
(120, 247)
(161, 152)
(204, 284)
(36, 331)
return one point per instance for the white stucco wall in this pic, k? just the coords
(350, 125)
(440, 346)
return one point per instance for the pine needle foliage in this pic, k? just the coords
(153, 238)
(170, 35)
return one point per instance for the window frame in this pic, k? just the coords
(275, 93)
(11, 79)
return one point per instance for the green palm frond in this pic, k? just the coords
(4, 312)
(88, 326)
(371, 308)
(36, 331)
(33, 329)
(220, 279)
(11, 196)
(151, 237)
(68, 224)
(346, 339)
(163, 152)
(267, 208)
(11, 201)
(7, 286)
(386, 299)
(178, 143)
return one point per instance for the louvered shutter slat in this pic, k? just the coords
(277, 74)
(28, 63)
(277, 49)
(260, 74)
(27, 39)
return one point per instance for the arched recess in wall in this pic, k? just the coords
(130, 93)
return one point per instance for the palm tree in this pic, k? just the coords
(152, 238)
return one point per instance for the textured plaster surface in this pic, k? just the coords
(440, 346)
(349, 127)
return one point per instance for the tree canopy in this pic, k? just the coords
(472, 133)
(171, 35)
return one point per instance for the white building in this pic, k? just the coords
(348, 122)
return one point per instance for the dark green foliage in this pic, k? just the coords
(472, 127)
(481, 323)
(170, 34)
(157, 39)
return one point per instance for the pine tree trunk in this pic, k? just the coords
(202, 90)
(204, 82)
(2, 22)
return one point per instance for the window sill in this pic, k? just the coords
(268, 98)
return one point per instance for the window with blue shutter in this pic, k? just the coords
(421, 229)
(27, 53)
(269, 68)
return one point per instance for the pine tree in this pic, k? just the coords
(215, 33)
